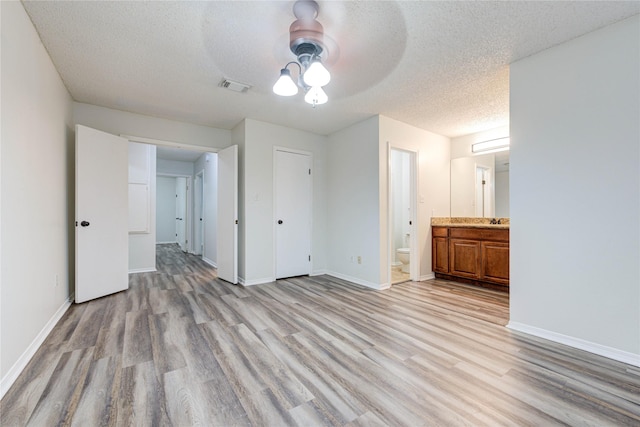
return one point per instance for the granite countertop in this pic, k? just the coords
(469, 222)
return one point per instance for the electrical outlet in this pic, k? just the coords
(359, 259)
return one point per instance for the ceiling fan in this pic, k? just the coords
(306, 41)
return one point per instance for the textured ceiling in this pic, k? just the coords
(440, 66)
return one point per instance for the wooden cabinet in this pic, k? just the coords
(465, 258)
(471, 255)
(440, 249)
(495, 262)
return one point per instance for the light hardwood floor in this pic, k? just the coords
(182, 348)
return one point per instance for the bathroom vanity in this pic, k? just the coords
(473, 251)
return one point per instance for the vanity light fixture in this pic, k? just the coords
(491, 146)
(305, 41)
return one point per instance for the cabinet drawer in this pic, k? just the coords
(440, 231)
(496, 235)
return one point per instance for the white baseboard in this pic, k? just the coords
(318, 272)
(167, 243)
(142, 270)
(11, 376)
(591, 347)
(376, 286)
(427, 277)
(211, 263)
(384, 286)
(254, 282)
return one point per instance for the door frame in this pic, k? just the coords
(274, 219)
(414, 173)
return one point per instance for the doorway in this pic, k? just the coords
(292, 212)
(402, 211)
(173, 213)
(484, 192)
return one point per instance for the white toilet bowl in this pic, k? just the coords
(403, 255)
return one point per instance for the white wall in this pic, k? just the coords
(142, 170)
(502, 194)
(37, 188)
(208, 163)
(165, 209)
(433, 186)
(353, 206)
(125, 123)
(175, 167)
(575, 192)
(256, 155)
(357, 178)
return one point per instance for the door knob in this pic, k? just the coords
(85, 223)
(279, 221)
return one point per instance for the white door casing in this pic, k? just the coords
(292, 193)
(227, 210)
(102, 237)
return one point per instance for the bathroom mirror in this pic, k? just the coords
(480, 186)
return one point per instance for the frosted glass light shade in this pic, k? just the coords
(316, 74)
(285, 85)
(494, 145)
(316, 96)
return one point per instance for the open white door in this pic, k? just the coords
(227, 206)
(102, 214)
(181, 212)
(198, 220)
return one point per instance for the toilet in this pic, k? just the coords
(403, 255)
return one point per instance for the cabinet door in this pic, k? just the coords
(464, 258)
(495, 262)
(440, 255)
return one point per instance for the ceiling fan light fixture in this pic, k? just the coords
(316, 96)
(306, 43)
(285, 86)
(316, 74)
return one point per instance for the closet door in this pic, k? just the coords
(292, 213)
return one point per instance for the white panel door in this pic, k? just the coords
(181, 212)
(293, 214)
(198, 207)
(227, 206)
(102, 238)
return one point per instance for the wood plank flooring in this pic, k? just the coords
(182, 348)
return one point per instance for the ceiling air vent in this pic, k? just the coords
(234, 86)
